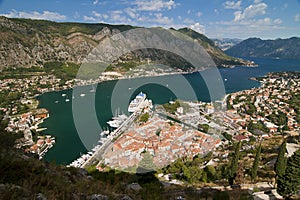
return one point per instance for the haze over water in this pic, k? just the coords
(60, 124)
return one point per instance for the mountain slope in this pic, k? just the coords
(258, 48)
(26, 43)
(219, 57)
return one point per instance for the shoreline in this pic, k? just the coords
(97, 81)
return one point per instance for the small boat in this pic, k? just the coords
(93, 89)
(103, 133)
(117, 121)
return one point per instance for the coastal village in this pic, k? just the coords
(23, 114)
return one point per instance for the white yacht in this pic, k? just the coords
(117, 121)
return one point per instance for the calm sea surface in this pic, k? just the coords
(112, 98)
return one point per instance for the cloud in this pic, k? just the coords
(277, 21)
(188, 21)
(96, 14)
(89, 19)
(164, 20)
(198, 27)
(265, 27)
(116, 16)
(154, 5)
(76, 15)
(250, 12)
(297, 17)
(252, 22)
(158, 19)
(47, 15)
(233, 5)
(199, 14)
(131, 12)
(137, 12)
(254, 27)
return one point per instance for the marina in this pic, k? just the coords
(104, 135)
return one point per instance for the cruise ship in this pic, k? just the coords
(134, 104)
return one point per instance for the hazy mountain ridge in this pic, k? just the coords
(26, 42)
(226, 43)
(258, 48)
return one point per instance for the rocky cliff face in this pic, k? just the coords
(26, 43)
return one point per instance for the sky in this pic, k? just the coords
(267, 19)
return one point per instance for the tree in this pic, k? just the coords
(251, 109)
(289, 183)
(234, 163)
(211, 172)
(203, 127)
(280, 164)
(227, 136)
(240, 178)
(255, 163)
(229, 106)
(146, 164)
(144, 118)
